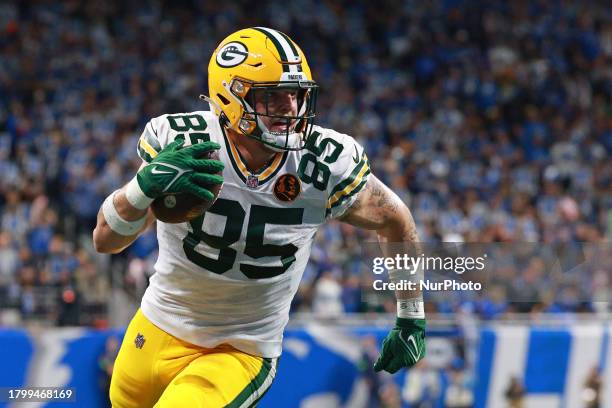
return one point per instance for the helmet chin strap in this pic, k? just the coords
(274, 139)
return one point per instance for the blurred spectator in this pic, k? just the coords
(327, 298)
(106, 363)
(369, 356)
(515, 393)
(390, 395)
(422, 386)
(459, 393)
(9, 260)
(69, 301)
(591, 393)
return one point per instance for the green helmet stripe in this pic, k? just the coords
(291, 45)
(285, 47)
(277, 44)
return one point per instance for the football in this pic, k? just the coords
(183, 207)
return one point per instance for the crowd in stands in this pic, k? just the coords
(492, 120)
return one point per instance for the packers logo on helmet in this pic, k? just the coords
(232, 54)
(260, 61)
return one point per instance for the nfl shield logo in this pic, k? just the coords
(139, 341)
(252, 181)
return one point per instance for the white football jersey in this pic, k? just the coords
(229, 275)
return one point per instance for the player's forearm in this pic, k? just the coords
(105, 239)
(400, 234)
(398, 226)
(380, 209)
(404, 346)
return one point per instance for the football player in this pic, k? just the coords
(210, 326)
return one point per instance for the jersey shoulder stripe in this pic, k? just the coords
(148, 145)
(350, 185)
(348, 167)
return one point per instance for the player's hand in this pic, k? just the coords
(178, 169)
(403, 347)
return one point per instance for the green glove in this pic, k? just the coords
(403, 347)
(181, 170)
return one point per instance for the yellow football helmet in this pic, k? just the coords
(263, 60)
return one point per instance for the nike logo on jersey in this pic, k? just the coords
(356, 156)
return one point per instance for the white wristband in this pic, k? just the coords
(411, 308)
(135, 196)
(118, 224)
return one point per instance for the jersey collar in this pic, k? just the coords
(265, 174)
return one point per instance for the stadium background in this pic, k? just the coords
(492, 120)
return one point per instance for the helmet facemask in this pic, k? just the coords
(296, 128)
